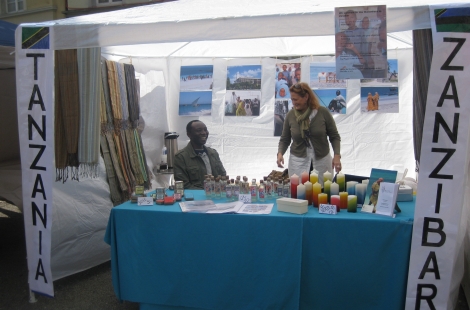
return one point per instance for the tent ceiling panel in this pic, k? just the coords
(201, 20)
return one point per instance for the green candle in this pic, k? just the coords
(326, 188)
(341, 180)
(352, 203)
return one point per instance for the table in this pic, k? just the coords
(166, 259)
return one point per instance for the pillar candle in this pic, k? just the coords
(352, 203)
(313, 177)
(327, 188)
(334, 189)
(327, 176)
(361, 194)
(309, 192)
(294, 181)
(335, 201)
(343, 200)
(304, 177)
(351, 187)
(300, 191)
(316, 190)
(366, 182)
(322, 198)
(341, 179)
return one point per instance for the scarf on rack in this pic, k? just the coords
(67, 114)
(114, 94)
(89, 78)
(132, 95)
(107, 99)
(110, 173)
(303, 120)
(123, 92)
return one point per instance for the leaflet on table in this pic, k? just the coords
(208, 206)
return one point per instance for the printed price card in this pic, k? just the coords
(246, 198)
(327, 209)
(145, 201)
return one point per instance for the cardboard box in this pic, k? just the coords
(291, 205)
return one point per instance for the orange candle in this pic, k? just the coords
(309, 192)
(322, 198)
(343, 200)
(316, 190)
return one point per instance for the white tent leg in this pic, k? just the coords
(32, 297)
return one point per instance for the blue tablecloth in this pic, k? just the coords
(166, 259)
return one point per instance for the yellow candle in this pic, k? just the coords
(352, 203)
(341, 180)
(313, 177)
(316, 190)
(343, 200)
(327, 176)
(326, 188)
(322, 198)
(309, 192)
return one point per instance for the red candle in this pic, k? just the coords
(304, 177)
(294, 181)
(335, 201)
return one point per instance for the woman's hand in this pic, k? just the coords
(280, 160)
(336, 163)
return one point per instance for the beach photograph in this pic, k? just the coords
(195, 103)
(244, 77)
(390, 79)
(242, 103)
(196, 77)
(379, 99)
(334, 99)
(323, 75)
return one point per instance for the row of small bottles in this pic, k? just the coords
(224, 187)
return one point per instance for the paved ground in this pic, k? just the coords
(90, 289)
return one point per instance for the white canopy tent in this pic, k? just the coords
(159, 39)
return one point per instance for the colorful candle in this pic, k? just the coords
(334, 189)
(343, 200)
(327, 188)
(327, 176)
(313, 177)
(304, 177)
(351, 187)
(300, 191)
(361, 194)
(309, 192)
(366, 182)
(316, 190)
(322, 198)
(294, 181)
(352, 203)
(334, 200)
(341, 179)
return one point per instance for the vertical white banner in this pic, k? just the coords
(444, 164)
(35, 85)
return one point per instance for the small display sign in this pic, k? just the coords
(145, 201)
(327, 209)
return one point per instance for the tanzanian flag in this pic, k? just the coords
(452, 20)
(35, 38)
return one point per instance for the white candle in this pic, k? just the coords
(327, 176)
(334, 189)
(366, 182)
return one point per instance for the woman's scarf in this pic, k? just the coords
(303, 120)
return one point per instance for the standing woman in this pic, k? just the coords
(308, 126)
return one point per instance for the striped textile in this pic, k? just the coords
(142, 159)
(123, 92)
(116, 163)
(67, 111)
(110, 173)
(114, 93)
(89, 78)
(132, 95)
(133, 157)
(106, 95)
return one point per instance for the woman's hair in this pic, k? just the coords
(303, 89)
